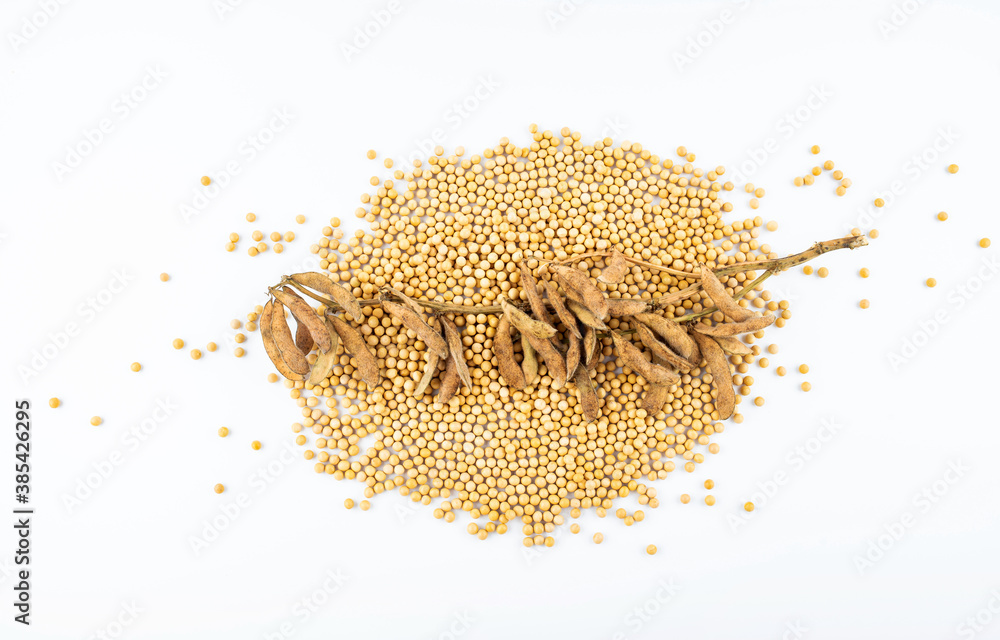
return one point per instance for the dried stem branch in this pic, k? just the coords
(770, 268)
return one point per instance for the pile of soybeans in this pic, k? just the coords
(529, 332)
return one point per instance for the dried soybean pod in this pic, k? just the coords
(695, 357)
(456, 350)
(659, 350)
(412, 321)
(733, 346)
(590, 346)
(586, 395)
(295, 359)
(554, 361)
(572, 356)
(722, 376)
(303, 340)
(673, 333)
(620, 307)
(711, 284)
(430, 368)
(525, 323)
(556, 301)
(654, 397)
(271, 347)
(340, 294)
(736, 328)
(305, 314)
(449, 381)
(530, 288)
(354, 344)
(586, 316)
(529, 361)
(410, 302)
(503, 351)
(615, 270)
(325, 360)
(593, 298)
(633, 358)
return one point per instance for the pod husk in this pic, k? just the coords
(530, 288)
(615, 270)
(410, 302)
(305, 314)
(572, 356)
(633, 359)
(654, 396)
(659, 350)
(449, 381)
(586, 316)
(620, 307)
(338, 293)
(456, 350)
(711, 285)
(672, 333)
(503, 352)
(430, 370)
(554, 361)
(412, 321)
(722, 375)
(525, 323)
(590, 347)
(733, 346)
(559, 306)
(282, 335)
(736, 328)
(529, 361)
(593, 298)
(586, 395)
(303, 339)
(354, 343)
(271, 347)
(325, 361)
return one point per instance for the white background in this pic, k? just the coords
(598, 67)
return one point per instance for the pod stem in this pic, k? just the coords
(770, 267)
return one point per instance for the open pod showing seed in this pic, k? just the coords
(456, 351)
(325, 359)
(525, 323)
(305, 314)
(672, 333)
(587, 292)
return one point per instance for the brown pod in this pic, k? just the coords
(586, 316)
(586, 395)
(736, 328)
(456, 350)
(572, 356)
(659, 350)
(593, 298)
(557, 303)
(671, 332)
(303, 340)
(410, 302)
(354, 344)
(695, 358)
(654, 397)
(338, 293)
(733, 346)
(449, 381)
(503, 351)
(295, 359)
(620, 307)
(530, 288)
(325, 361)
(412, 321)
(525, 323)
(305, 314)
(725, 302)
(430, 369)
(633, 359)
(590, 347)
(271, 347)
(615, 270)
(722, 375)
(529, 361)
(554, 361)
